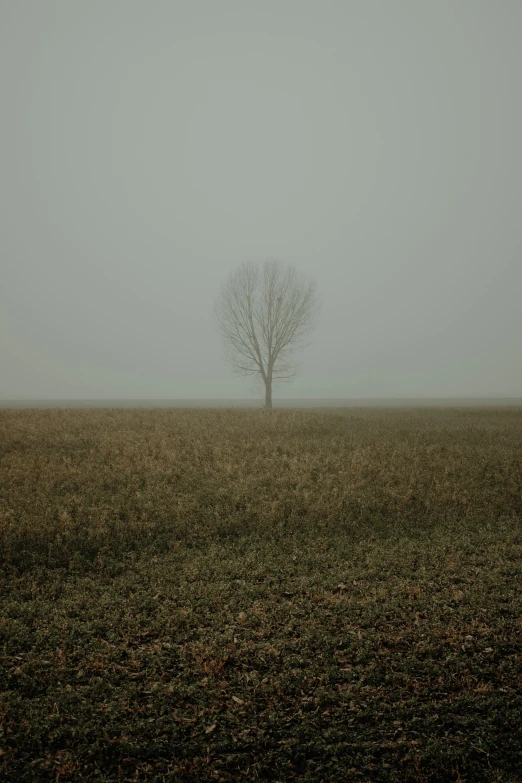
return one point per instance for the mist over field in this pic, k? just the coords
(148, 149)
(317, 404)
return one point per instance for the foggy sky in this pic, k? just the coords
(147, 148)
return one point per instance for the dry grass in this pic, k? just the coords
(236, 594)
(78, 485)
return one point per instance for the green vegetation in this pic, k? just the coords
(225, 595)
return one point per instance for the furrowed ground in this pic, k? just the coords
(225, 595)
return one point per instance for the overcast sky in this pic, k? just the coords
(147, 148)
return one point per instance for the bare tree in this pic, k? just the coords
(264, 314)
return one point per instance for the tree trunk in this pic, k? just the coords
(268, 393)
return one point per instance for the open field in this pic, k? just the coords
(225, 595)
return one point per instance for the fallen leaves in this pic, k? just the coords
(254, 637)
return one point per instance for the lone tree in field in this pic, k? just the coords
(264, 314)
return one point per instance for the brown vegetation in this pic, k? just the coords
(232, 594)
(76, 484)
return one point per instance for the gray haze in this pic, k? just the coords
(148, 148)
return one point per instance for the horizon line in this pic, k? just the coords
(254, 399)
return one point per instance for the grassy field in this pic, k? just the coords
(226, 595)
